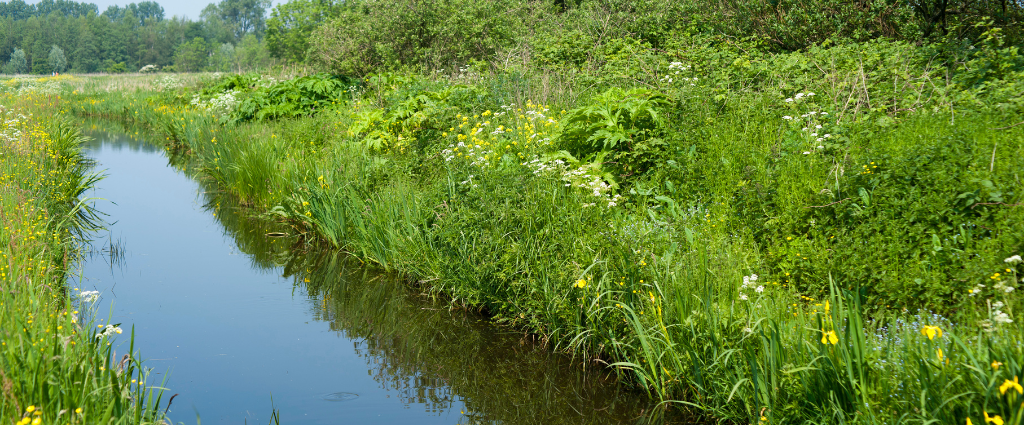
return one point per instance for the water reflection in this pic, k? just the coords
(426, 353)
(450, 365)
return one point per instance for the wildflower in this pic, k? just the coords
(996, 364)
(1013, 260)
(78, 410)
(931, 332)
(1001, 317)
(581, 283)
(1008, 384)
(109, 330)
(829, 337)
(743, 296)
(938, 354)
(30, 408)
(787, 117)
(89, 296)
(760, 288)
(998, 420)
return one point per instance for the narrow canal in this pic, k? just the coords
(232, 314)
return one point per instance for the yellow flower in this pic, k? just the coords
(36, 421)
(829, 337)
(581, 283)
(996, 364)
(30, 409)
(969, 421)
(78, 410)
(1014, 384)
(938, 354)
(931, 332)
(998, 420)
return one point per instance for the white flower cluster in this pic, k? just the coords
(674, 69)
(812, 123)
(469, 181)
(1014, 260)
(750, 283)
(479, 154)
(169, 82)
(266, 81)
(1005, 286)
(799, 96)
(148, 69)
(11, 131)
(89, 296)
(40, 86)
(577, 177)
(998, 316)
(222, 104)
(108, 331)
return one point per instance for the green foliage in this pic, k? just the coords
(191, 56)
(55, 367)
(291, 98)
(18, 64)
(291, 24)
(625, 128)
(56, 59)
(861, 181)
(375, 35)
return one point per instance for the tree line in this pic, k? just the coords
(67, 36)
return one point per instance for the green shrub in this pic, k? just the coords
(291, 98)
(376, 36)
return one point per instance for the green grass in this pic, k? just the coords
(54, 367)
(624, 237)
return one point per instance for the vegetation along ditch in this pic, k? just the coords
(758, 211)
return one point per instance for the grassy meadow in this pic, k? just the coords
(828, 233)
(54, 366)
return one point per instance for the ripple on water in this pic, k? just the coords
(340, 396)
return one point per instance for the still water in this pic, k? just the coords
(232, 317)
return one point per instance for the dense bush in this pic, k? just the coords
(373, 35)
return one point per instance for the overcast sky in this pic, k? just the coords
(188, 8)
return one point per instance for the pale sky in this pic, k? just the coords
(187, 8)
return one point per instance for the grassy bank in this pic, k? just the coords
(828, 235)
(54, 366)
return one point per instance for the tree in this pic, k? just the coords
(252, 53)
(223, 58)
(18, 63)
(57, 60)
(291, 24)
(191, 56)
(244, 16)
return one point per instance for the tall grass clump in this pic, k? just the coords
(55, 367)
(828, 235)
